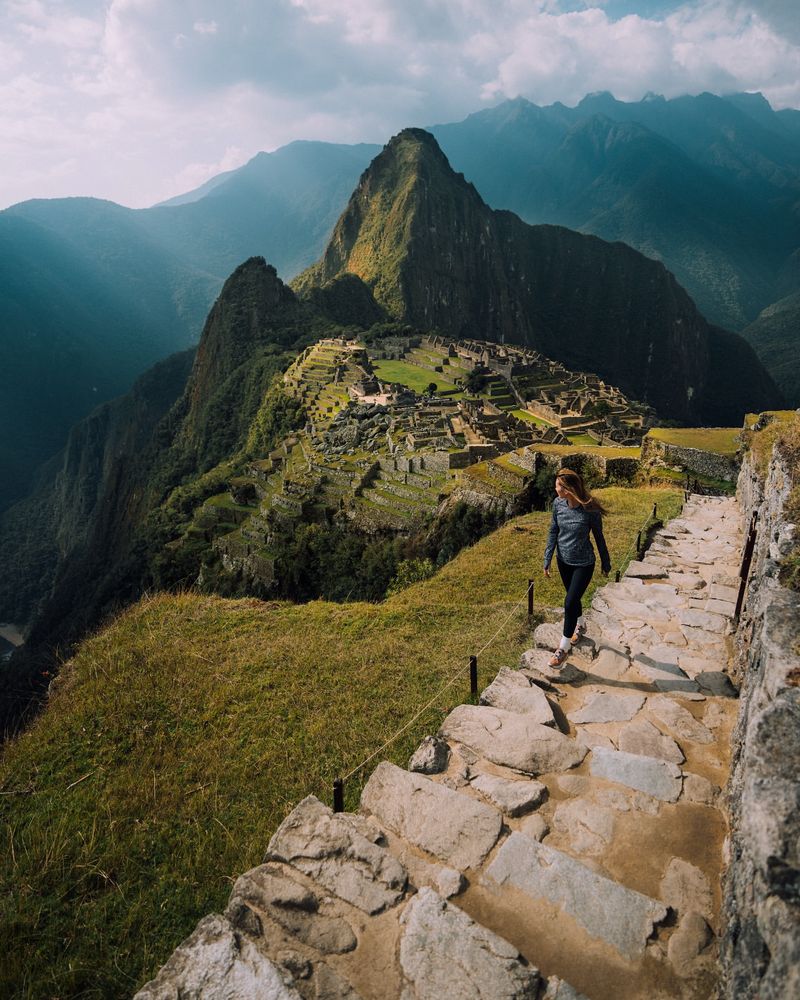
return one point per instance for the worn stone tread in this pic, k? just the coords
(607, 910)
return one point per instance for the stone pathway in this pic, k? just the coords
(564, 838)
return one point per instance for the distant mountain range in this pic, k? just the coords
(434, 255)
(91, 293)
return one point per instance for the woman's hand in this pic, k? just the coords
(547, 572)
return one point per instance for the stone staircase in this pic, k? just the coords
(563, 838)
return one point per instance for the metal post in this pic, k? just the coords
(616, 577)
(530, 598)
(744, 571)
(473, 675)
(338, 795)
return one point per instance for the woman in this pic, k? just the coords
(576, 513)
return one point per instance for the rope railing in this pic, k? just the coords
(338, 784)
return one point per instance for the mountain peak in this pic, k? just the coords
(407, 194)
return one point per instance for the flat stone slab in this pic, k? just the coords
(456, 828)
(607, 910)
(642, 737)
(271, 890)
(667, 676)
(444, 953)
(512, 740)
(726, 608)
(611, 662)
(514, 798)
(512, 691)
(719, 592)
(588, 826)
(679, 719)
(658, 778)
(326, 847)
(703, 620)
(608, 708)
(703, 640)
(685, 888)
(215, 961)
(645, 570)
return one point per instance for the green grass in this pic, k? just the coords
(182, 734)
(719, 440)
(581, 439)
(526, 415)
(410, 375)
(604, 450)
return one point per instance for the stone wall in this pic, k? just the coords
(703, 463)
(760, 949)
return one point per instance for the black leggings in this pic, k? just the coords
(576, 579)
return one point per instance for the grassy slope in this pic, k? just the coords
(720, 440)
(183, 733)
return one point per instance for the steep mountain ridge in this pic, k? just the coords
(436, 256)
(707, 187)
(87, 541)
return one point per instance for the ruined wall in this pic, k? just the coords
(703, 463)
(760, 948)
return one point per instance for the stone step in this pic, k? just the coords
(457, 829)
(607, 910)
(511, 740)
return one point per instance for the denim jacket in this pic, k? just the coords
(569, 531)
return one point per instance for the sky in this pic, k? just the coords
(140, 100)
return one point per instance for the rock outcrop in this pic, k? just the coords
(761, 906)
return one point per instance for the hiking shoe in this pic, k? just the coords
(579, 633)
(558, 658)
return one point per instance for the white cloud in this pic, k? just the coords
(140, 96)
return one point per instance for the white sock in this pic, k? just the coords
(565, 643)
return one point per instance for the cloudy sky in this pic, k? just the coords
(139, 100)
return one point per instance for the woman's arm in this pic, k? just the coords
(602, 548)
(552, 539)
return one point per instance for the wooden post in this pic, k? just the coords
(338, 795)
(655, 509)
(616, 577)
(530, 598)
(473, 675)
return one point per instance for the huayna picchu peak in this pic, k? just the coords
(437, 257)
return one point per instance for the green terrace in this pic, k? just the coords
(416, 378)
(531, 418)
(719, 440)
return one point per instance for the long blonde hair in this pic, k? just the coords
(573, 484)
